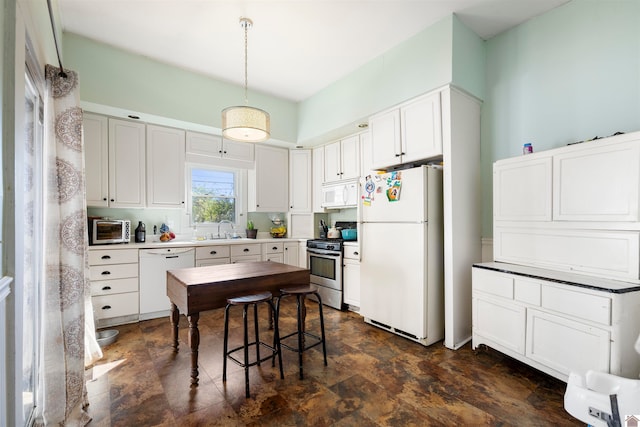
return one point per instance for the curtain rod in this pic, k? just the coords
(55, 40)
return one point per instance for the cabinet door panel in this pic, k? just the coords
(598, 184)
(332, 162)
(165, 167)
(126, 164)
(385, 139)
(612, 254)
(522, 190)
(204, 144)
(318, 178)
(269, 190)
(421, 128)
(351, 279)
(233, 150)
(566, 346)
(350, 157)
(96, 158)
(300, 180)
(500, 322)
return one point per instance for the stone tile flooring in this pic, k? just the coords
(373, 378)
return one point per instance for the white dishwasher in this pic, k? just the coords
(154, 264)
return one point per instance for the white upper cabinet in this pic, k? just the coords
(522, 189)
(269, 181)
(421, 128)
(409, 133)
(203, 144)
(385, 139)
(300, 186)
(342, 159)
(601, 183)
(126, 164)
(318, 178)
(165, 167)
(96, 158)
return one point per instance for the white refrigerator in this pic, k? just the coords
(402, 270)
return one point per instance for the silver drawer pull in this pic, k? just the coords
(105, 273)
(106, 307)
(106, 257)
(106, 288)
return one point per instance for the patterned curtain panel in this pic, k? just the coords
(68, 331)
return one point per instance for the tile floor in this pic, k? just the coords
(373, 378)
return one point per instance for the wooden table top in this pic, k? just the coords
(206, 288)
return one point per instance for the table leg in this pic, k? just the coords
(194, 342)
(175, 319)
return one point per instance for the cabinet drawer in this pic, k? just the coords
(246, 258)
(492, 283)
(106, 306)
(116, 271)
(566, 346)
(272, 248)
(113, 256)
(274, 257)
(241, 250)
(352, 252)
(527, 291)
(118, 286)
(577, 304)
(212, 261)
(207, 252)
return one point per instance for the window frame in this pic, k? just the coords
(239, 178)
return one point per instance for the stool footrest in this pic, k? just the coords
(273, 354)
(317, 339)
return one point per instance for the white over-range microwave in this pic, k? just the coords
(340, 195)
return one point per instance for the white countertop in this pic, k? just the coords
(178, 243)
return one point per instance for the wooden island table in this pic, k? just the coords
(192, 290)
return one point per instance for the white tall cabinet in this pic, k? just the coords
(564, 293)
(442, 125)
(96, 159)
(300, 181)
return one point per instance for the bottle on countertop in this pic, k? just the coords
(527, 148)
(140, 232)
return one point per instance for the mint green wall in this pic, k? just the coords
(414, 67)
(113, 77)
(565, 76)
(468, 59)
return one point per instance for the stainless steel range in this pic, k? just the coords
(324, 259)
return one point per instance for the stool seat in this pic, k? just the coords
(250, 299)
(299, 290)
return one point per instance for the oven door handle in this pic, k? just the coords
(324, 253)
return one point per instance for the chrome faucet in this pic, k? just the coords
(220, 223)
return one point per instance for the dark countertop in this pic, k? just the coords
(562, 277)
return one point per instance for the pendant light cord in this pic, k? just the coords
(246, 23)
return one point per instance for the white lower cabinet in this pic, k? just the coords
(212, 255)
(555, 325)
(250, 252)
(114, 286)
(273, 252)
(292, 253)
(351, 275)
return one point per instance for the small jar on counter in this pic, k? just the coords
(527, 148)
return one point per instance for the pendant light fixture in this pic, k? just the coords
(245, 123)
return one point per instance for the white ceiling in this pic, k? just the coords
(296, 47)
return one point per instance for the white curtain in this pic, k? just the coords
(68, 330)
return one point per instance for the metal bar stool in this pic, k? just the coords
(245, 302)
(301, 293)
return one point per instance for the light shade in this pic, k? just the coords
(244, 123)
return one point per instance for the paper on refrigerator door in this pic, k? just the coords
(386, 185)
